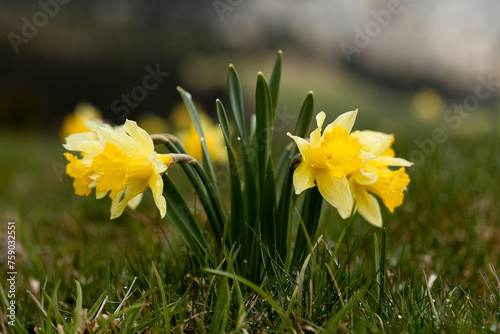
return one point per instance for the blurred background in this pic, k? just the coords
(405, 61)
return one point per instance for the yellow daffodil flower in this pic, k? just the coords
(75, 122)
(327, 160)
(190, 139)
(122, 163)
(375, 177)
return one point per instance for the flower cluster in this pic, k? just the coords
(350, 167)
(120, 161)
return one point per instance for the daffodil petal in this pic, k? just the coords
(303, 178)
(366, 156)
(93, 124)
(156, 184)
(302, 144)
(140, 136)
(346, 121)
(121, 140)
(368, 207)
(101, 194)
(134, 202)
(336, 192)
(316, 134)
(385, 160)
(320, 119)
(115, 212)
(82, 142)
(133, 189)
(365, 178)
(158, 165)
(373, 141)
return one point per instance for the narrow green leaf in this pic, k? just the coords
(266, 175)
(236, 98)
(238, 227)
(310, 214)
(305, 116)
(301, 127)
(180, 216)
(283, 222)
(213, 197)
(247, 148)
(274, 83)
(269, 210)
(195, 116)
(209, 200)
(381, 274)
(93, 310)
(263, 106)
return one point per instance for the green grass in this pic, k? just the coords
(446, 232)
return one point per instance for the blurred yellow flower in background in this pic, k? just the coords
(327, 160)
(427, 104)
(189, 137)
(75, 122)
(375, 177)
(153, 123)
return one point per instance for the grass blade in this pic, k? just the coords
(332, 325)
(166, 314)
(78, 309)
(256, 288)
(221, 309)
